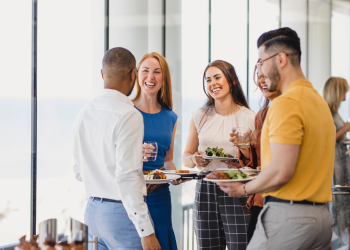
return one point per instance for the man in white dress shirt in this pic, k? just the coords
(108, 135)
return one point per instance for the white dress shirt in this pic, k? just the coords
(107, 147)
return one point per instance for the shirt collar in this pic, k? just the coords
(300, 82)
(116, 94)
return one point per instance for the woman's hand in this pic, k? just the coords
(232, 163)
(200, 161)
(341, 132)
(152, 187)
(346, 126)
(146, 148)
(233, 135)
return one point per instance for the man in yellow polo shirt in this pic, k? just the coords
(297, 153)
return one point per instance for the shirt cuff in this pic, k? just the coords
(145, 229)
(283, 140)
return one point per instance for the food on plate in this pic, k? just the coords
(253, 175)
(229, 174)
(237, 174)
(182, 171)
(218, 175)
(155, 175)
(218, 152)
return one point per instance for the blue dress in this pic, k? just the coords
(159, 128)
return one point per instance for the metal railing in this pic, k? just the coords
(188, 238)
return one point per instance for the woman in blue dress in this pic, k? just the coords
(154, 101)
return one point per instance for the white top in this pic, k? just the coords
(214, 131)
(107, 147)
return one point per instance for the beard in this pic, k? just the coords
(274, 77)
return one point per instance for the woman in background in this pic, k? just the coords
(219, 220)
(251, 157)
(334, 93)
(154, 101)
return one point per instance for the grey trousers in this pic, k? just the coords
(285, 226)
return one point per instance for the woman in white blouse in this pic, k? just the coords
(219, 220)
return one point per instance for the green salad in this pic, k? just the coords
(219, 152)
(236, 175)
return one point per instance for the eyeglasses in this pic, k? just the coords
(260, 63)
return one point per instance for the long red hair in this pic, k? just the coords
(164, 96)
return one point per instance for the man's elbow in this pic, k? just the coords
(283, 179)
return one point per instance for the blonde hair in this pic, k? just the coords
(164, 96)
(334, 91)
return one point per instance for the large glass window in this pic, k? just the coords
(173, 56)
(319, 43)
(195, 42)
(294, 15)
(340, 48)
(195, 57)
(264, 15)
(70, 51)
(229, 35)
(15, 125)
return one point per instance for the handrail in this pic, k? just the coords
(187, 224)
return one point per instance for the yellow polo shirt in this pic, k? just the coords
(300, 116)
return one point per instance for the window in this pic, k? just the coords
(15, 126)
(70, 51)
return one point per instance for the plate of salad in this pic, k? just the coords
(217, 154)
(157, 177)
(228, 176)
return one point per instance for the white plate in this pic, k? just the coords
(244, 170)
(229, 180)
(169, 177)
(217, 158)
(182, 174)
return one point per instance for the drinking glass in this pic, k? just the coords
(153, 156)
(243, 135)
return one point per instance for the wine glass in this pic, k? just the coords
(243, 135)
(153, 156)
(255, 137)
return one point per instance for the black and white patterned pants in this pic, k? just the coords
(218, 219)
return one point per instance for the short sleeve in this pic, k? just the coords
(285, 122)
(174, 117)
(197, 116)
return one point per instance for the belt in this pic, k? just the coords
(304, 202)
(105, 200)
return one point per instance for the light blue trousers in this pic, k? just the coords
(111, 224)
